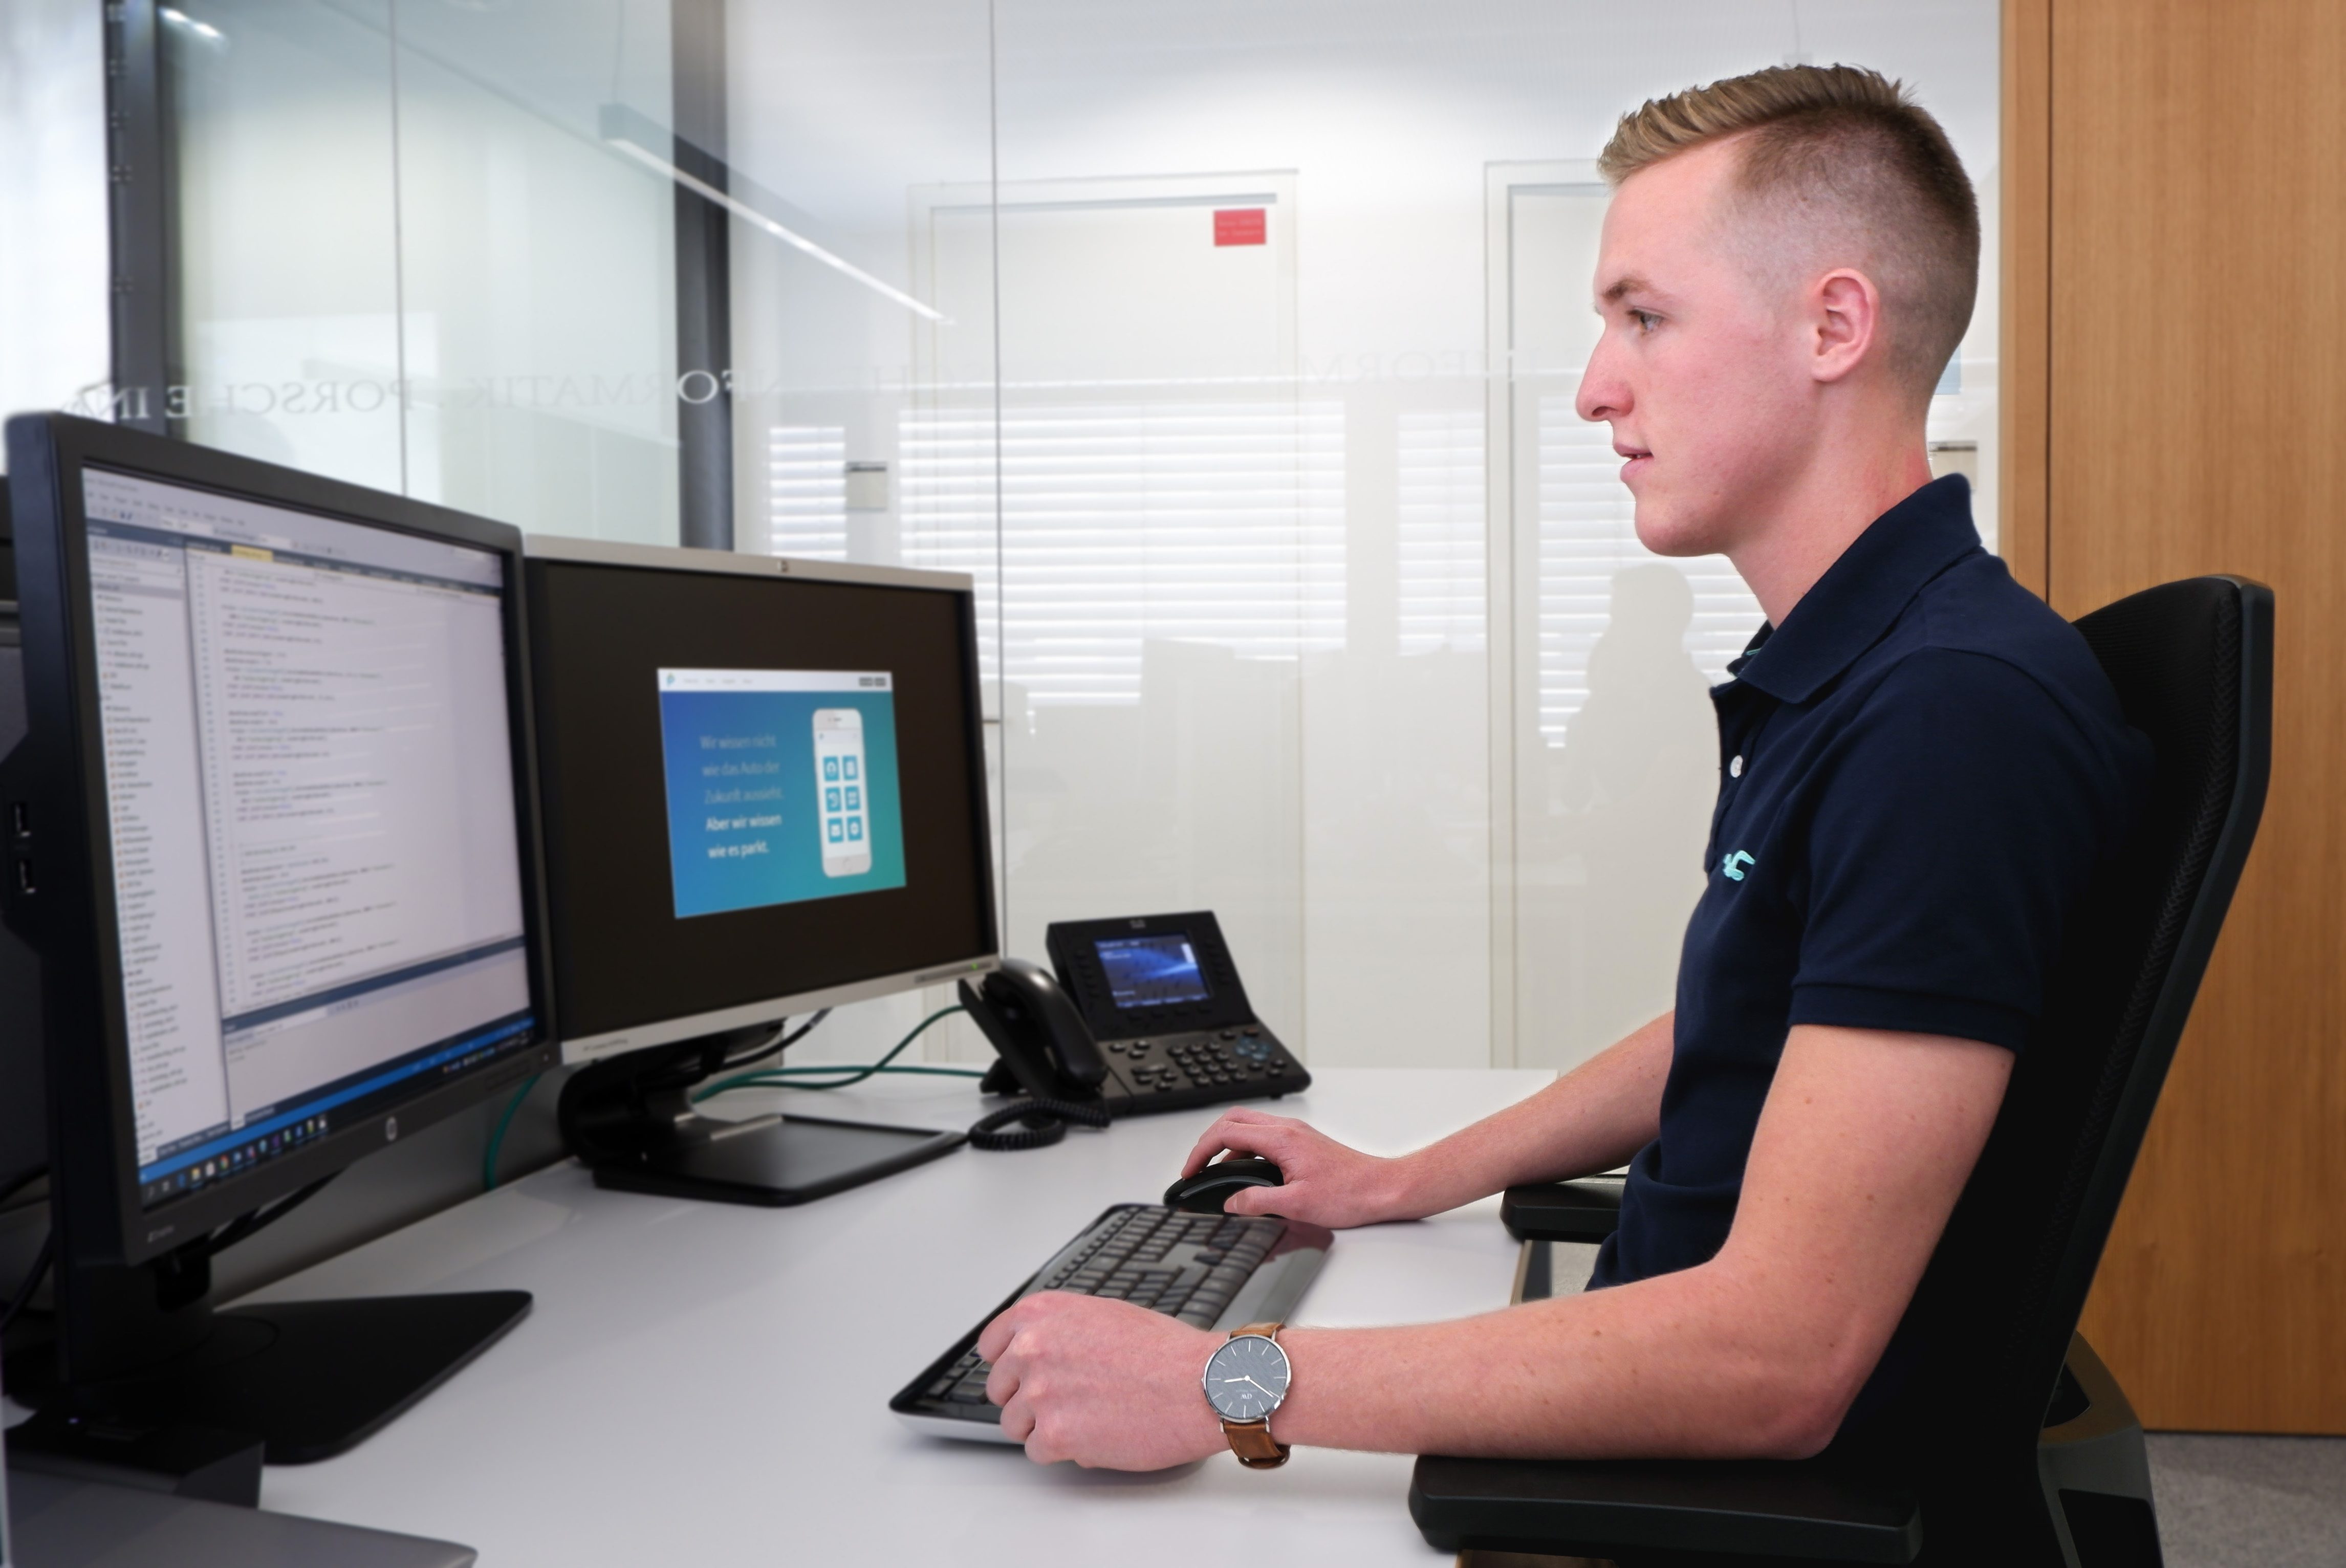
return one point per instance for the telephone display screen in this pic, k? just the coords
(1151, 971)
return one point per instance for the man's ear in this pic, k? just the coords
(1845, 310)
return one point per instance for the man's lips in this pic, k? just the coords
(1636, 455)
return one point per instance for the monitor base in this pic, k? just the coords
(311, 1379)
(631, 1120)
(774, 1162)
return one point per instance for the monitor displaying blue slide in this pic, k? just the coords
(781, 786)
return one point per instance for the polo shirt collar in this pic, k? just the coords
(1862, 592)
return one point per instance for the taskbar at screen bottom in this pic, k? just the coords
(298, 1124)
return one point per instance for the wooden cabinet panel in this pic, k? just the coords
(2196, 421)
(2023, 293)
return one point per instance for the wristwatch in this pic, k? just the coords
(1246, 1380)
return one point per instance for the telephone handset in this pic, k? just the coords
(1046, 1050)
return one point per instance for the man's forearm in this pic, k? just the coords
(1866, 1141)
(1666, 1367)
(1591, 1119)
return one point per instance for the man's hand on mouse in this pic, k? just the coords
(1106, 1384)
(1327, 1184)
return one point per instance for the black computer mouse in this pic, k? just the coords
(1206, 1192)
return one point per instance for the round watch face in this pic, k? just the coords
(1247, 1379)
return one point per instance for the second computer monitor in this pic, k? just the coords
(764, 787)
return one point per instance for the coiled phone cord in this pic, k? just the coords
(1047, 1123)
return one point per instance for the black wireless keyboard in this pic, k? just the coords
(1212, 1270)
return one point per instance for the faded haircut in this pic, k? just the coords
(1842, 154)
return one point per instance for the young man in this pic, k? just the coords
(1920, 769)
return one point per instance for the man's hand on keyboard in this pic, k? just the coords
(1107, 1384)
(1326, 1183)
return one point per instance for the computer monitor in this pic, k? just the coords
(273, 833)
(765, 794)
(23, 1103)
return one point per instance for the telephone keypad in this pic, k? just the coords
(1212, 1065)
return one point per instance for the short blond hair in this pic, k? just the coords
(1839, 146)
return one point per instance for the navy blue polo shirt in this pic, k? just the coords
(1920, 772)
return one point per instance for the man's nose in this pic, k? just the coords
(1603, 394)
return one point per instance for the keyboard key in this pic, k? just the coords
(1226, 1277)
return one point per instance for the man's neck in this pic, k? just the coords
(1821, 513)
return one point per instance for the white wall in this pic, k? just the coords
(55, 350)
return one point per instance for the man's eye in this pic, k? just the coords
(1645, 320)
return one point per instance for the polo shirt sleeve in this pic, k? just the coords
(1962, 818)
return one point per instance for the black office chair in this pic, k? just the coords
(2024, 1450)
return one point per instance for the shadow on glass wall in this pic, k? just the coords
(1610, 852)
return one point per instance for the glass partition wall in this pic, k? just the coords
(1233, 351)
(408, 255)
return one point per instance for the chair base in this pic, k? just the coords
(2096, 1469)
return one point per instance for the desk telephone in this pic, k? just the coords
(1145, 1014)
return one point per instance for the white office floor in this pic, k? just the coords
(2250, 1502)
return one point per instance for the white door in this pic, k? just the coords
(1169, 549)
(1603, 730)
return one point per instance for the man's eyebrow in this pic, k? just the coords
(1622, 287)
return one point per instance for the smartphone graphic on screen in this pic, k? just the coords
(839, 789)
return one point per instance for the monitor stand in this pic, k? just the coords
(632, 1121)
(144, 1346)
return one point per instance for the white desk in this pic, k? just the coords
(706, 1384)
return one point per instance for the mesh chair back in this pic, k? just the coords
(2192, 664)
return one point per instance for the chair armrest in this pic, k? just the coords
(1585, 1210)
(1814, 1509)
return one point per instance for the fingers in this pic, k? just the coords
(1000, 1342)
(1042, 1446)
(1254, 1200)
(995, 1337)
(1240, 1131)
(1213, 1140)
(1018, 1420)
(1226, 1133)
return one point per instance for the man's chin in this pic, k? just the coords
(1667, 531)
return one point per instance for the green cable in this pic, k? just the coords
(785, 1077)
(780, 1077)
(497, 1139)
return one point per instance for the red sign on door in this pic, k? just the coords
(1241, 226)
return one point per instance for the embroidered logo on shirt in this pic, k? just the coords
(1732, 867)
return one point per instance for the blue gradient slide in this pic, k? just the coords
(760, 808)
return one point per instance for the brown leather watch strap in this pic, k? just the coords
(1254, 1445)
(1251, 1440)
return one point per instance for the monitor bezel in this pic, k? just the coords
(558, 550)
(72, 915)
